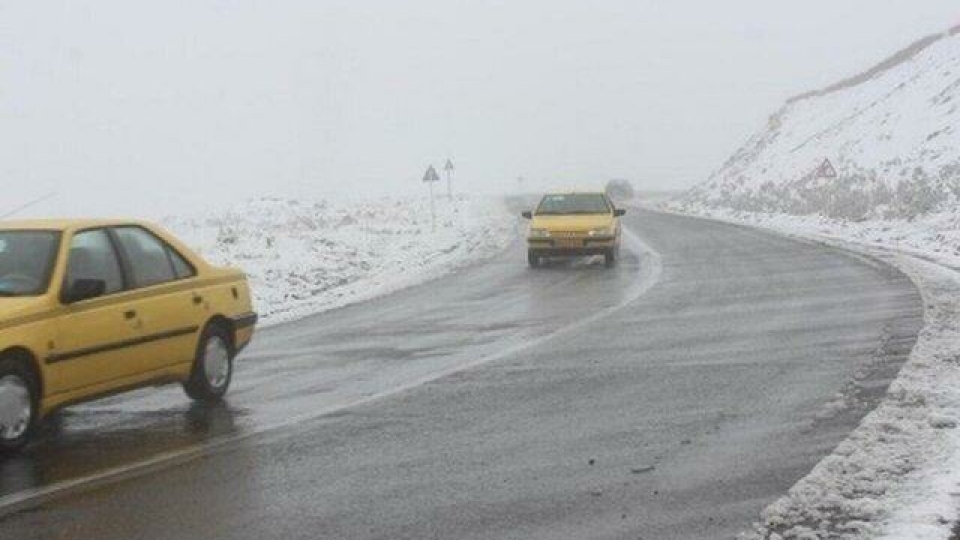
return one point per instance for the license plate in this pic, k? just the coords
(569, 242)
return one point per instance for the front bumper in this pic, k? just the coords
(560, 247)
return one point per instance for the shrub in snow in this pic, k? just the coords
(941, 421)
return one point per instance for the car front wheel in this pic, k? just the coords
(213, 366)
(19, 404)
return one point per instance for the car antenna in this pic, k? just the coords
(23, 207)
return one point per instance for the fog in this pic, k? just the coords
(125, 107)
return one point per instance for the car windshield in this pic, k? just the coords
(26, 261)
(578, 203)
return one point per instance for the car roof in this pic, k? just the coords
(66, 224)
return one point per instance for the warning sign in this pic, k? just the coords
(431, 175)
(826, 170)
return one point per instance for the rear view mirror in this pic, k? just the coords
(619, 212)
(84, 289)
(527, 215)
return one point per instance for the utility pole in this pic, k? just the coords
(429, 178)
(448, 169)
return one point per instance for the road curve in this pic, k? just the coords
(502, 402)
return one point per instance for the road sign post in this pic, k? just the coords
(433, 211)
(429, 178)
(448, 170)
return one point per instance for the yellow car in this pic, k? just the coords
(574, 224)
(92, 308)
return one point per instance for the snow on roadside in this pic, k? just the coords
(896, 476)
(304, 257)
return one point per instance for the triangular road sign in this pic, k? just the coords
(431, 175)
(826, 170)
(448, 166)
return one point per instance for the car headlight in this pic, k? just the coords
(539, 233)
(601, 231)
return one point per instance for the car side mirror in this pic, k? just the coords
(527, 215)
(84, 289)
(619, 212)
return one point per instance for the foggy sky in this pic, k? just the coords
(129, 107)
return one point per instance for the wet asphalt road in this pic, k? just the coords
(672, 397)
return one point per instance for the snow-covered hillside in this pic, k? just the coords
(892, 134)
(303, 257)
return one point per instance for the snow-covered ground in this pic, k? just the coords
(898, 475)
(303, 257)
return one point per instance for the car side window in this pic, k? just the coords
(92, 256)
(151, 260)
(181, 267)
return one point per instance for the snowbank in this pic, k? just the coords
(303, 257)
(897, 475)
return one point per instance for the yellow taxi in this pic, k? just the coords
(573, 225)
(92, 308)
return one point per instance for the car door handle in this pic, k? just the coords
(197, 299)
(129, 314)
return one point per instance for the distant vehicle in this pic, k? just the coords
(92, 308)
(572, 225)
(620, 190)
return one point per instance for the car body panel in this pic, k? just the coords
(77, 357)
(95, 347)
